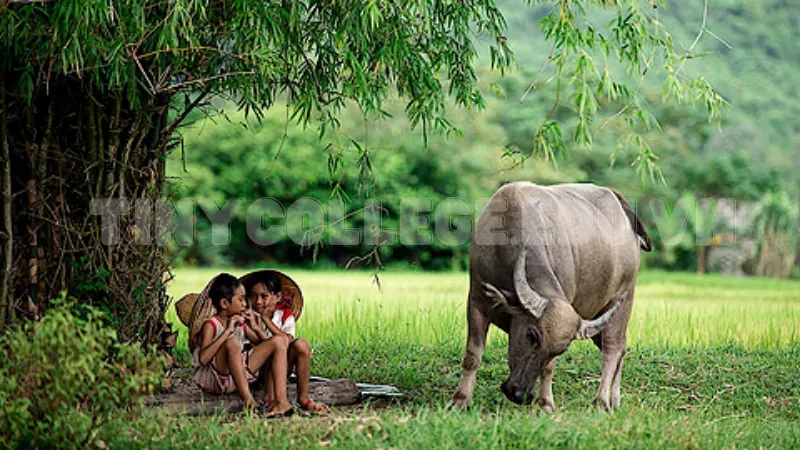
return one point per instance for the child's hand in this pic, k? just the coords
(272, 304)
(268, 311)
(235, 321)
(251, 318)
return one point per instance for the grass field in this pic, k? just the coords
(713, 363)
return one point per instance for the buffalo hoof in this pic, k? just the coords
(605, 405)
(459, 402)
(546, 405)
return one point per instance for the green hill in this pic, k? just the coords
(756, 72)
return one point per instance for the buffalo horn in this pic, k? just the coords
(531, 301)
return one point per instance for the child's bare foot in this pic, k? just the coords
(314, 407)
(280, 409)
(250, 404)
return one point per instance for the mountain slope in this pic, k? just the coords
(759, 75)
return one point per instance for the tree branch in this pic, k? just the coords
(179, 86)
(182, 116)
(703, 29)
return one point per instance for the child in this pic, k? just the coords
(221, 365)
(264, 295)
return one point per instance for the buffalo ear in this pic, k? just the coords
(638, 228)
(501, 299)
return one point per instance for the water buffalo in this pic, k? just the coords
(549, 265)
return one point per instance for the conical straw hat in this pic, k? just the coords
(184, 307)
(202, 310)
(289, 288)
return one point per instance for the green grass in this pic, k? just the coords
(713, 362)
(682, 310)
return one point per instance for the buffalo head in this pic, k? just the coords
(540, 330)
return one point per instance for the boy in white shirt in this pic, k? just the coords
(265, 297)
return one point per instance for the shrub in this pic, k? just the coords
(67, 375)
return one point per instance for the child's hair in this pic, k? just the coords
(268, 279)
(224, 286)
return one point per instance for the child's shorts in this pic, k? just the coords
(211, 381)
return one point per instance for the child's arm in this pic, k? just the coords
(252, 334)
(274, 329)
(289, 326)
(209, 348)
(253, 331)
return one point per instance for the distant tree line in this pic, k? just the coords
(713, 198)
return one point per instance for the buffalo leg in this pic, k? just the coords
(545, 398)
(611, 367)
(615, 385)
(476, 341)
(613, 348)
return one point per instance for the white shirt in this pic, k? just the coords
(287, 326)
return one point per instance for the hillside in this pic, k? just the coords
(758, 75)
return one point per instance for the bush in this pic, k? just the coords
(67, 375)
(226, 161)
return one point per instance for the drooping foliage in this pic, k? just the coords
(94, 93)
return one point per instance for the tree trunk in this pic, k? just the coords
(32, 149)
(41, 171)
(764, 255)
(7, 232)
(75, 145)
(702, 258)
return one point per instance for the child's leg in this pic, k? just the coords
(229, 361)
(300, 357)
(275, 347)
(269, 387)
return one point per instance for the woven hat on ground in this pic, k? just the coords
(184, 307)
(202, 310)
